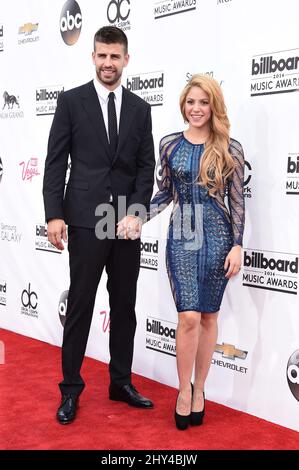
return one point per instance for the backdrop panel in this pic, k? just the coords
(252, 49)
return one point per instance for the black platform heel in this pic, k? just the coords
(182, 421)
(196, 417)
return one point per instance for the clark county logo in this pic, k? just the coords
(173, 7)
(148, 86)
(247, 189)
(275, 72)
(29, 299)
(118, 12)
(271, 270)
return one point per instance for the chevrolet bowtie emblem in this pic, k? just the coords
(28, 28)
(230, 352)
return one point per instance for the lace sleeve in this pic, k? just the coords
(235, 193)
(164, 195)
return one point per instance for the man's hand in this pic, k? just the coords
(57, 233)
(129, 227)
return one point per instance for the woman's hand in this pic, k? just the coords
(233, 261)
(129, 227)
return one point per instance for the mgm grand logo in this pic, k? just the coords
(10, 100)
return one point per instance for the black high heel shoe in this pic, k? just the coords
(196, 417)
(181, 421)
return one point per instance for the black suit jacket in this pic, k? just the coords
(78, 130)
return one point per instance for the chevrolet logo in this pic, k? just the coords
(28, 28)
(230, 352)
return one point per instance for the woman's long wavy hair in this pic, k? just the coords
(217, 164)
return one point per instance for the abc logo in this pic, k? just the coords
(293, 374)
(70, 22)
(62, 306)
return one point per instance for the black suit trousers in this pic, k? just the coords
(88, 256)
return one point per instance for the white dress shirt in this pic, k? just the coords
(103, 94)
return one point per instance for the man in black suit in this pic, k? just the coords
(106, 130)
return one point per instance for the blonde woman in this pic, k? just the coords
(200, 166)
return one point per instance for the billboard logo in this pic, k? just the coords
(148, 86)
(292, 182)
(46, 99)
(168, 8)
(160, 336)
(269, 270)
(149, 254)
(41, 240)
(275, 72)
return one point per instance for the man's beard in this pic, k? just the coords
(108, 80)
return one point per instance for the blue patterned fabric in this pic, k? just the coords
(202, 229)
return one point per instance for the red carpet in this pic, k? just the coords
(29, 398)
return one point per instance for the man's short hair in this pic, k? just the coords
(111, 35)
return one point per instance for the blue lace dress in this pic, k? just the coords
(202, 229)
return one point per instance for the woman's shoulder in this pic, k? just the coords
(236, 149)
(170, 138)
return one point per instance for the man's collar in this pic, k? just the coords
(103, 92)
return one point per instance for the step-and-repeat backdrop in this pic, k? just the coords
(252, 49)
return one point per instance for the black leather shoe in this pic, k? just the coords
(67, 410)
(196, 417)
(181, 421)
(128, 394)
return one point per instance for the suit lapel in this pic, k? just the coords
(127, 113)
(93, 109)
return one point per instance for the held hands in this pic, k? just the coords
(129, 228)
(57, 233)
(233, 261)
